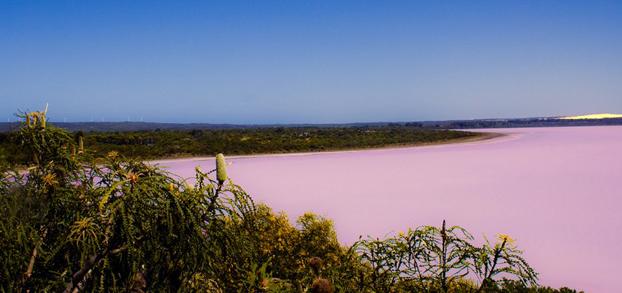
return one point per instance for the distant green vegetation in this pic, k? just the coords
(82, 223)
(179, 143)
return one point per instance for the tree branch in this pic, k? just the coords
(80, 276)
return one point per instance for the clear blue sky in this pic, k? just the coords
(309, 61)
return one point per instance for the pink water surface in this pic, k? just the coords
(556, 190)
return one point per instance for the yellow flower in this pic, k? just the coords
(401, 234)
(264, 283)
(35, 118)
(112, 154)
(509, 241)
(171, 187)
(221, 169)
(83, 229)
(83, 223)
(80, 145)
(132, 177)
(50, 179)
(43, 119)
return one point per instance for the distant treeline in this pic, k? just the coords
(530, 122)
(448, 124)
(176, 143)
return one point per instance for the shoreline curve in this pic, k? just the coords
(483, 137)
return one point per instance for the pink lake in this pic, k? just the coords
(557, 191)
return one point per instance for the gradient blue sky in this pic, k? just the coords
(309, 61)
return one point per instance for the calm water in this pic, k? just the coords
(556, 190)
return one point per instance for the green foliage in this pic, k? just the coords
(160, 144)
(502, 257)
(77, 222)
(110, 224)
(441, 259)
